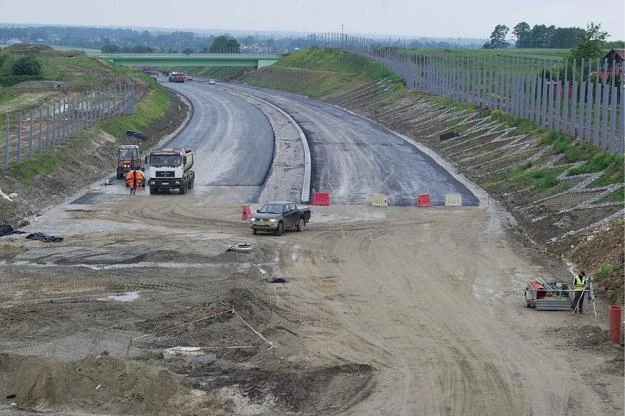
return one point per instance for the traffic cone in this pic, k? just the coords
(247, 213)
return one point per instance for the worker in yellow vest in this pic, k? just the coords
(579, 286)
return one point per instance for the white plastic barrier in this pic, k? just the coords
(453, 200)
(379, 200)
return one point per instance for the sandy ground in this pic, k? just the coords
(386, 311)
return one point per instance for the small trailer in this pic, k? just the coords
(548, 296)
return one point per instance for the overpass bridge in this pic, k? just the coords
(178, 60)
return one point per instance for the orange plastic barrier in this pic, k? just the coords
(614, 326)
(423, 200)
(321, 198)
(247, 213)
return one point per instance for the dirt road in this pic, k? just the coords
(432, 300)
(386, 311)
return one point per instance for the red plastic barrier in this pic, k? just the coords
(321, 198)
(247, 213)
(614, 326)
(423, 200)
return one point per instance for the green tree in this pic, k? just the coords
(541, 36)
(565, 37)
(187, 51)
(225, 44)
(27, 65)
(110, 48)
(591, 43)
(615, 44)
(523, 34)
(498, 38)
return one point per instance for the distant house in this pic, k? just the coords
(615, 55)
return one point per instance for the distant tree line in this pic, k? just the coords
(132, 41)
(542, 37)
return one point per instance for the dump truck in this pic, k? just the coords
(127, 159)
(170, 168)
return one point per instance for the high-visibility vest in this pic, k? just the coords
(579, 284)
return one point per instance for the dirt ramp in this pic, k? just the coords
(94, 385)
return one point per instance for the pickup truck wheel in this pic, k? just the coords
(301, 224)
(280, 228)
(152, 191)
(183, 189)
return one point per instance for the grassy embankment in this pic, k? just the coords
(78, 73)
(320, 72)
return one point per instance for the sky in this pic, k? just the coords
(400, 18)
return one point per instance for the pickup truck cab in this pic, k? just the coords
(278, 216)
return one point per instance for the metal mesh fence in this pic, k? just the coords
(28, 135)
(580, 98)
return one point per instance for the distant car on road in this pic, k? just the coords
(176, 77)
(211, 82)
(278, 216)
(188, 77)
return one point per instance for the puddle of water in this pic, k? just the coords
(126, 297)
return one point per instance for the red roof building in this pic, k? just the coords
(617, 55)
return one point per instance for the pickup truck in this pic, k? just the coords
(278, 216)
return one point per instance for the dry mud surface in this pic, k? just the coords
(385, 311)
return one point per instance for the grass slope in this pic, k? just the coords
(320, 72)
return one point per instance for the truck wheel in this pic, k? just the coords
(280, 228)
(301, 224)
(152, 191)
(183, 189)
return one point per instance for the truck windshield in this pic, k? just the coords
(128, 154)
(165, 160)
(271, 209)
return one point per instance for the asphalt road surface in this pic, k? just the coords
(353, 158)
(232, 139)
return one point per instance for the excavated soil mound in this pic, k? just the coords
(94, 384)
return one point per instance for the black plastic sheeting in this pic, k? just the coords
(6, 229)
(44, 237)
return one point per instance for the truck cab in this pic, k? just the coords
(170, 168)
(127, 159)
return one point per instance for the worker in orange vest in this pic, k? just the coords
(134, 179)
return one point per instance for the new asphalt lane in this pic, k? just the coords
(352, 157)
